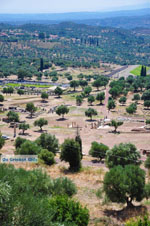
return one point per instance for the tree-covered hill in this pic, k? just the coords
(71, 44)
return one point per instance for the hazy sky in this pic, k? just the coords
(41, 6)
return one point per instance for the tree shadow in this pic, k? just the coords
(90, 105)
(57, 97)
(100, 104)
(25, 134)
(44, 101)
(122, 105)
(40, 131)
(61, 119)
(90, 120)
(97, 161)
(68, 171)
(29, 117)
(147, 109)
(114, 132)
(127, 212)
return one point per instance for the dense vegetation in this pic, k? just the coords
(67, 44)
(31, 198)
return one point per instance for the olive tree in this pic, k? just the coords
(41, 122)
(20, 92)
(87, 90)
(79, 100)
(122, 100)
(98, 150)
(123, 154)
(1, 98)
(44, 96)
(147, 103)
(91, 99)
(90, 112)
(74, 84)
(58, 91)
(24, 127)
(136, 97)
(62, 110)
(131, 109)
(125, 184)
(31, 108)
(13, 116)
(111, 104)
(100, 97)
(115, 124)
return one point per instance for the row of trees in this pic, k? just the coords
(46, 147)
(30, 107)
(99, 81)
(99, 97)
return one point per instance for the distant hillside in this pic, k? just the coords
(127, 22)
(76, 44)
(84, 17)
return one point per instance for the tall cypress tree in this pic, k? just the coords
(41, 64)
(142, 71)
(79, 141)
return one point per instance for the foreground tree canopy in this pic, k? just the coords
(125, 184)
(43, 201)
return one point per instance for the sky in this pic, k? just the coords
(60, 6)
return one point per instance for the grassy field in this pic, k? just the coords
(28, 85)
(137, 70)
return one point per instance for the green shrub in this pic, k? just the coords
(2, 141)
(28, 148)
(31, 211)
(69, 211)
(138, 222)
(64, 185)
(49, 142)
(19, 141)
(27, 199)
(147, 163)
(147, 121)
(98, 150)
(5, 195)
(47, 157)
(147, 191)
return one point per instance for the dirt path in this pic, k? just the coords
(106, 101)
